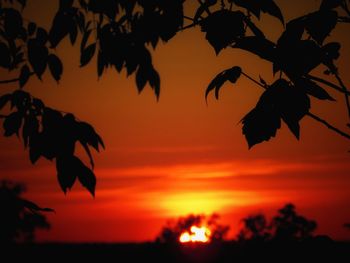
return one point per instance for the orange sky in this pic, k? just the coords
(178, 156)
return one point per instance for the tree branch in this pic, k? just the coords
(206, 8)
(330, 84)
(341, 83)
(329, 126)
(311, 115)
(7, 81)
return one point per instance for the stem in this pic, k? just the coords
(189, 18)
(311, 115)
(7, 81)
(330, 84)
(341, 83)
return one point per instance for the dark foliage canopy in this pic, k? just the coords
(121, 34)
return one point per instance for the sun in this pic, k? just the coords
(196, 234)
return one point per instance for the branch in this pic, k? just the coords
(313, 116)
(206, 8)
(341, 83)
(330, 84)
(343, 19)
(329, 126)
(7, 81)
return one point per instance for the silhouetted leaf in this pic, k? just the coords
(100, 64)
(55, 66)
(253, 6)
(256, 31)
(31, 28)
(65, 4)
(24, 75)
(270, 7)
(42, 36)
(321, 23)
(87, 178)
(12, 123)
(223, 28)
(292, 103)
(260, 124)
(202, 8)
(87, 54)
(5, 58)
(12, 22)
(85, 39)
(293, 33)
(34, 207)
(330, 4)
(231, 74)
(37, 55)
(5, 99)
(259, 46)
(35, 147)
(21, 100)
(331, 51)
(30, 127)
(154, 81)
(73, 33)
(313, 89)
(88, 135)
(67, 171)
(63, 24)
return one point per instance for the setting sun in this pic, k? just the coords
(196, 234)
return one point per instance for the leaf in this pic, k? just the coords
(259, 46)
(253, 6)
(12, 22)
(12, 123)
(256, 31)
(42, 36)
(30, 127)
(24, 75)
(55, 66)
(260, 124)
(5, 99)
(5, 57)
(62, 25)
(37, 56)
(313, 89)
(223, 28)
(88, 135)
(87, 179)
(231, 74)
(293, 32)
(100, 64)
(330, 4)
(141, 78)
(85, 39)
(154, 81)
(65, 4)
(34, 207)
(331, 51)
(73, 33)
(31, 28)
(67, 171)
(87, 54)
(320, 24)
(270, 7)
(35, 147)
(292, 103)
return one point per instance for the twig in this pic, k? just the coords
(7, 81)
(341, 83)
(205, 7)
(330, 84)
(329, 126)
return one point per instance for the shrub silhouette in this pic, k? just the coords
(120, 33)
(287, 225)
(19, 217)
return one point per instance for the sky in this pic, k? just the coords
(178, 155)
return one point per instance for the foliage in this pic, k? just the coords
(172, 231)
(120, 35)
(287, 225)
(19, 217)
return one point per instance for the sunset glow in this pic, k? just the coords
(196, 234)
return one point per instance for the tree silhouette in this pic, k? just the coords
(287, 225)
(120, 33)
(173, 230)
(19, 217)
